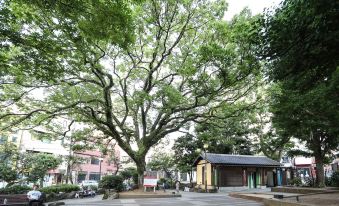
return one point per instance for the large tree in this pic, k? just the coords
(184, 63)
(301, 44)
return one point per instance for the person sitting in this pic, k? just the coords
(34, 196)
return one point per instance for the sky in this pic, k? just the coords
(256, 6)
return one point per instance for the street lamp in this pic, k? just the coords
(100, 160)
(205, 173)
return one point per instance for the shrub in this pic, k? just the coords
(296, 181)
(60, 188)
(328, 181)
(335, 179)
(15, 189)
(112, 182)
(309, 182)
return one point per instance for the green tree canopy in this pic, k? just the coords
(300, 41)
(184, 63)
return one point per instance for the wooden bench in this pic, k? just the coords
(14, 199)
(17, 200)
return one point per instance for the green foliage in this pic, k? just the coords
(9, 156)
(334, 179)
(184, 63)
(15, 189)
(13, 164)
(54, 29)
(185, 150)
(161, 161)
(7, 173)
(129, 173)
(112, 182)
(300, 42)
(38, 165)
(60, 188)
(295, 181)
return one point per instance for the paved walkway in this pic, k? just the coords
(188, 198)
(327, 199)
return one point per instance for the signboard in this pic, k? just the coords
(150, 179)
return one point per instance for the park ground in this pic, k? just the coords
(254, 197)
(188, 198)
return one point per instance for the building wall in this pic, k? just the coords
(27, 142)
(200, 182)
(91, 169)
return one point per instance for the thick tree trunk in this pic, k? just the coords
(320, 180)
(141, 166)
(319, 155)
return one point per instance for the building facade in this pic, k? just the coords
(94, 166)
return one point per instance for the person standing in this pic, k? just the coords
(34, 195)
(177, 185)
(164, 186)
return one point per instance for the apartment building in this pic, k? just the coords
(94, 166)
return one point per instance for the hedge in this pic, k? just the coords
(60, 188)
(15, 189)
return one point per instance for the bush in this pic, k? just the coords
(328, 181)
(15, 189)
(296, 181)
(112, 182)
(60, 188)
(309, 182)
(335, 179)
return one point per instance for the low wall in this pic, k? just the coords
(301, 190)
(273, 202)
(232, 189)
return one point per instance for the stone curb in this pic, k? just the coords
(55, 203)
(303, 190)
(273, 202)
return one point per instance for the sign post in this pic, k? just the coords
(150, 179)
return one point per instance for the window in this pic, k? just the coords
(94, 176)
(95, 161)
(183, 176)
(81, 177)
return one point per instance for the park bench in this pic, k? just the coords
(18, 200)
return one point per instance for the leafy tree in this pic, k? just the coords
(272, 142)
(184, 63)
(9, 157)
(185, 150)
(227, 136)
(14, 164)
(161, 161)
(300, 42)
(130, 173)
(38, 165)
(39, 37)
